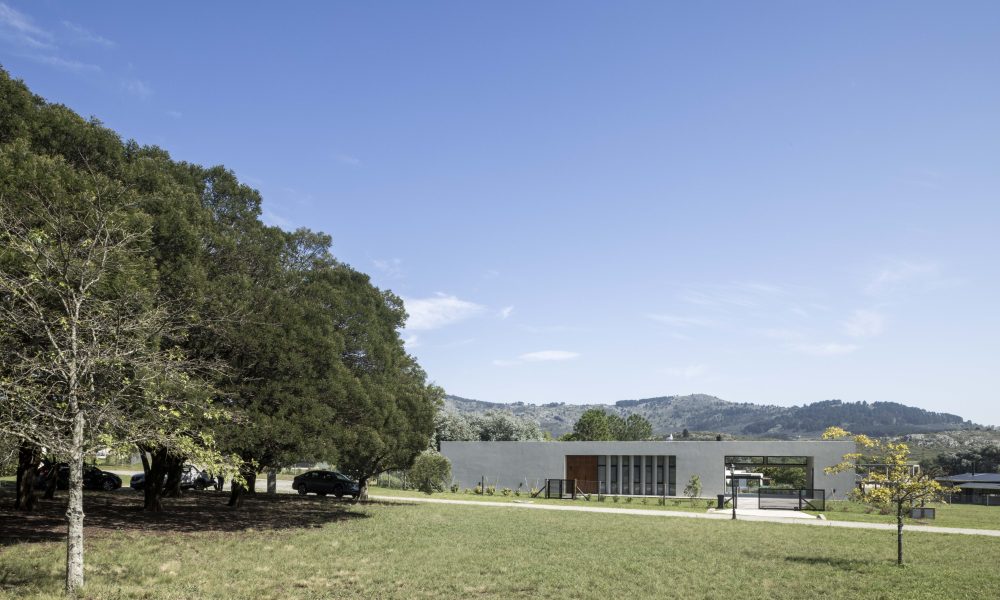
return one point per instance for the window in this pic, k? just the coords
(649, 476)
(660, 462)
(602, 473)
(626, 478)
(672, 480)
(636, 474)
(614, 475)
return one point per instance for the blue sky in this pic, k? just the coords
(585, 202)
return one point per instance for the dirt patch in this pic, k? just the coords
(195, 512)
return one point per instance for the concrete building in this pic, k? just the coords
(644, 468)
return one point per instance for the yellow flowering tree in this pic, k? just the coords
(894, 483)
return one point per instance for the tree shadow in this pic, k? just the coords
(844, 564)
(194, 512)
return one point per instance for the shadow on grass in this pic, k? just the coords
(195, 512)
(844, 564)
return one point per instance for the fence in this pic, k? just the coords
(791, 499)
(560, 488)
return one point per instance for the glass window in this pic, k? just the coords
(649, 475)
(602, 472)
(626, 479)
(636, 474)
(614, 475)
(660, 461)
(672, 477)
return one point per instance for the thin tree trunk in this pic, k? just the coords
(272, 481)
(27, 466)
(74, 512)
(899, 534)
(363, 489)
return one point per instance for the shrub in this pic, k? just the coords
(506, 491)
(491, 490)
(478, 490)
(615, 498)
(643, 501)
(517, 492)
(534, 491)
(602, 498)
(628, 499)
(430, 471)
(710, 503)
(454, 488)
(467, 491)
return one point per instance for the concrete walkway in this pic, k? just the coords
(695, 515)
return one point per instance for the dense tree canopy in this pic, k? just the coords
(210, 336)
(598, 425)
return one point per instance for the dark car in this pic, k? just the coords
(93, 478)
(326, 482)
(191, 477)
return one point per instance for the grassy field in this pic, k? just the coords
(700, 505)
(291, 547)
(947, 515)
(955, 515)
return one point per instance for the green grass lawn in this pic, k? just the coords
(947, 515)
(433, 550)
(700, 505)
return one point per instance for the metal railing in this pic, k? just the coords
(791, 499)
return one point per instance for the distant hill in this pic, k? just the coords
(701, 412)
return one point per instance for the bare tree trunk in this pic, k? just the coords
(27, 466)
(153, 486)
(272, 481)
(238, 489)
(899, 534)
(363, 489)
(51, 479)
(174, 469)
(74, 512)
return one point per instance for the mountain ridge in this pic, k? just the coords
(706, 413)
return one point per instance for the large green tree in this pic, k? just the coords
(80, 323)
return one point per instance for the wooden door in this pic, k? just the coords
(583, 469)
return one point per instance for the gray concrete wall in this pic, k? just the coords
(506, 464)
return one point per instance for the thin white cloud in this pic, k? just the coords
(391, 267)
(411, 341)
(828, 349)
(438, 311)
(864, 323)
(687, 372)
(83, 35)
(137, 88)
(347, 159)
(506, 311)
(18, 29)
(779, 333)
(536, 357)
(896, 273)
(276, 220)
(549, 355)
(66, 65)
(682, 321)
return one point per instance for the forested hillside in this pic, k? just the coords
(704, 413)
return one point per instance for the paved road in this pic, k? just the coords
(797, 518)
(745, 514)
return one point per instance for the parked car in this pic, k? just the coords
(326, 482)
(93, 478)
(191, 477)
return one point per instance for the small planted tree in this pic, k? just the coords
(431, 472)
(895, 484)
(693, 488)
